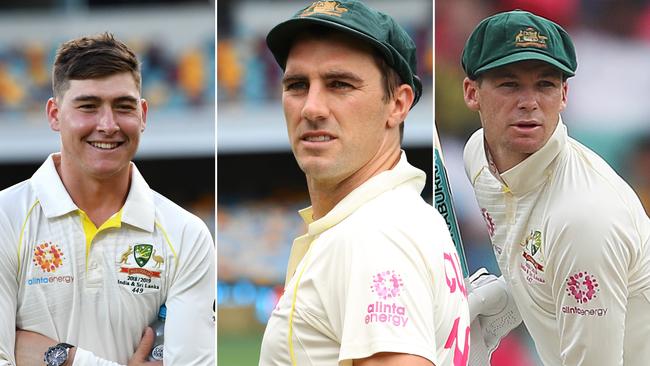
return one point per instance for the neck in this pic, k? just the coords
(506, 160)
(99, 198)
(325, 195)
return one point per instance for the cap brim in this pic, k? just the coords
(280, 38)
(523, 56)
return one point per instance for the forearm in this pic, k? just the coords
(31, 348)
(86, 358)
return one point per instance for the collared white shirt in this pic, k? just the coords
(381, 275)
(572, 240)
(97, 288)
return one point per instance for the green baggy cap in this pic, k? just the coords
(353, 18)
(515, 36)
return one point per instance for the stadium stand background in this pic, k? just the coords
(260, 187)
(175, 42)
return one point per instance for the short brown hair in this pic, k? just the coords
(92, 57)
(390, 81)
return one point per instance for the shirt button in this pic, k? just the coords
(93, 265)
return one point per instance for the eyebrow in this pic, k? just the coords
(96, 99)
(291, 78)
(335, 74)
(346, 75)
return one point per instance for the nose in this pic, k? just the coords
(315, 107)
(107, 122)
(527, 99)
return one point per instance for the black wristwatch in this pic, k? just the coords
(57, 355)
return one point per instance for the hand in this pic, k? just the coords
(493, 314)
(141, 355)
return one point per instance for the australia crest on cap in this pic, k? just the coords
(530, 37)
(333, 8)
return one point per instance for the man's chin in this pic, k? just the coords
(317, 168)
(107, 171)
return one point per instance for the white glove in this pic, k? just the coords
(493, 314)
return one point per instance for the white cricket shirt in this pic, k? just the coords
(98, 288)
(381, 275)
(572, 240)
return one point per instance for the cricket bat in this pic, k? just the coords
(444, 202)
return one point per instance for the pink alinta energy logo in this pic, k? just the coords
(582, 286)
(387, 310)
(386, 284)
(489, 222)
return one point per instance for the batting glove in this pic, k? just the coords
(493, 314)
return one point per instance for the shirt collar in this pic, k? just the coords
(50, 191)
(534, 170)
(55, 201)
(402, 173)
(139, 209)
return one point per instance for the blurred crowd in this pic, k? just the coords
(246, 68)
(171, 80)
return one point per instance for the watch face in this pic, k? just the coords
(56, 356)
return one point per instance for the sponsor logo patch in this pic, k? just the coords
(583, 288)
(50, 259)
(386, 286)
(489, 222)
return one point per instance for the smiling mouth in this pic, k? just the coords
(321, 138)
(105, 145)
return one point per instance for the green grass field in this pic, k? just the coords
(238, 350)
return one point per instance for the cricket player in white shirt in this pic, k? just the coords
(376, 279)
(88, 252)
(570, 236)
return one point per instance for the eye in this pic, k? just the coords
(508, 84)
(295, 85)
(125, 108)
(337, 84)
(87, 107)
(546, 84)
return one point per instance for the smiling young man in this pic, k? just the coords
(375, 280)
(570, 236)
(88, 252)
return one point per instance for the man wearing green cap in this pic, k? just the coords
(375, 280)
(570, 236)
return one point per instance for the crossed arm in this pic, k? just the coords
(31, 347)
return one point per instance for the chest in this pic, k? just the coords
(64, 270)
(517, 230)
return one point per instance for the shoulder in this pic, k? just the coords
(175, 219)
(588, 192)
(16, 201)
(395, 222)
(591, 211)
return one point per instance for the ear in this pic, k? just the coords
(400, 105)
(145, 108)
(565, 92)
(52, 111)
(470, 94)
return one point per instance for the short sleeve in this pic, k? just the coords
(387, 300)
